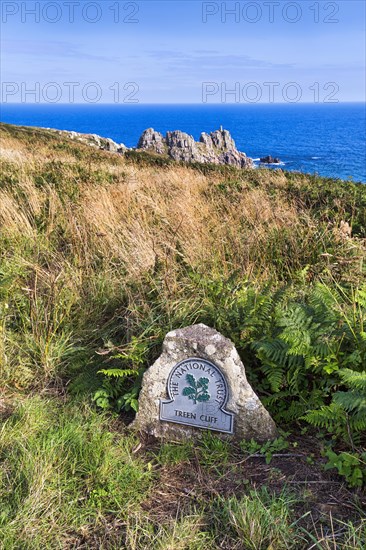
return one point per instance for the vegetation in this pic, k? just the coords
(100, 256)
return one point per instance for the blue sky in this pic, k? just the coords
(167, 51)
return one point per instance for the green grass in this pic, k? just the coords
(71, 478)
(171, 454)
(64, 473)
(213, 452)
(261, 520)
(187, 533)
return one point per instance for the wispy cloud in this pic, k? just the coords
(210, 59)
(52, 49)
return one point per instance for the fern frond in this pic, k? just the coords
(327, 416)
(295, 410)
(274, 375)
(325, 298)
(354, 380)
(85, 382)
(275, 398)
(351, 401)
(119, 373)
(358, 421)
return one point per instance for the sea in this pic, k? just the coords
(325, 139)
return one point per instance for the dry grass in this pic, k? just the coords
(146, 213)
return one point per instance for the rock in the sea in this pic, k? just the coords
(270, 160)
(199, 383)
(215, 148)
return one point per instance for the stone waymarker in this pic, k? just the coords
(197, 393)
(199, 383)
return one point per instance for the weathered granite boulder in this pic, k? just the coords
(109, 145)
(199, 383)
(182, 147)
(215, 148)
(221, 139)
(151, 140)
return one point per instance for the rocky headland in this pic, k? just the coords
(215, 148)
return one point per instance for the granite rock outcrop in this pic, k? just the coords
(215, 148)
(106, 144)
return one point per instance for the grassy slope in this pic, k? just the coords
(96, 249)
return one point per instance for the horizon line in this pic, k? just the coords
(201, 104)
